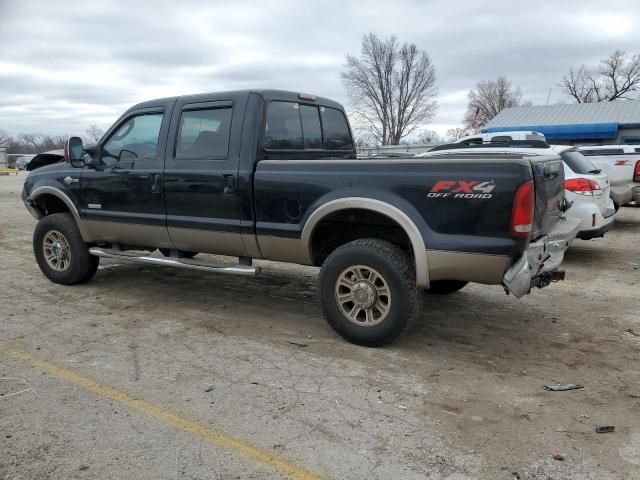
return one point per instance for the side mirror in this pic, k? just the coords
(74, 152)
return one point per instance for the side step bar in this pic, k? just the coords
(173, 262)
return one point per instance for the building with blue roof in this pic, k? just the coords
(579, 123)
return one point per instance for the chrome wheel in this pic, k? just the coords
(56, 249)
(363, 295)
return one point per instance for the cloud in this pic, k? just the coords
(65, 65)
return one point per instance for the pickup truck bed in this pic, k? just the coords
(274, 175)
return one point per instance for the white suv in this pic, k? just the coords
(622, 164)
(588, 188)
(586, 185)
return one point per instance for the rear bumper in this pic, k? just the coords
(597, 232)
(621, 194)
(538, 266)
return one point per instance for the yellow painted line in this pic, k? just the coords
(209, 434)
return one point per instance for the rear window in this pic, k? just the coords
(603, 151)
(283, 130)
(292, 126)
(578, 163)
(336, 130)
(311, 130)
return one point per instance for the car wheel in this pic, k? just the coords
(60, 251)
(444, 287)
(167, 253)
(368, 292)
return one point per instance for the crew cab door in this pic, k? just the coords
(201, 175)
(121, 195)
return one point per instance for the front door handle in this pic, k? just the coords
(155, 187)
(228, 184)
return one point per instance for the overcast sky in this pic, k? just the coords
(65, 65)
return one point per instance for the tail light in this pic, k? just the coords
(582, 186)
(636, 172)
(523, 210)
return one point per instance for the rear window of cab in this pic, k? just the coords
(296, 126)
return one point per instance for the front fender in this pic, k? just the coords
(56, 191)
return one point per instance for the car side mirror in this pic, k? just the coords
(74, 152)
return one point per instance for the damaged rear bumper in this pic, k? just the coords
(539, 265)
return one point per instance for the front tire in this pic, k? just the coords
(60, 251)
(368, 292)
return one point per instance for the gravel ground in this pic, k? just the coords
(460, 396)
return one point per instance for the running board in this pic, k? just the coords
(173, 262)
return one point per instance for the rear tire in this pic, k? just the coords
(60, 251)
(368, 292)
(445, 287)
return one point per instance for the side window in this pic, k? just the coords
(283, 130)
(311, 130)
(203, 133)
(336, 130)
(501, 138)
(136, 139)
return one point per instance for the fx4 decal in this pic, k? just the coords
(462, 189)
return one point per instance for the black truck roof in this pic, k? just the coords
(267, 94)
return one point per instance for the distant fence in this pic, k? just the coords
(413, 148)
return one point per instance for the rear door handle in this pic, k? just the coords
(228, 184)
(157, 181)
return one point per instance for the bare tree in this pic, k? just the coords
(391, 88)
(428, 136)
(35, 143)
(31, 142)
(4, 139)
(488, 99)
(94, 133)
(454, 134)
(617, 78)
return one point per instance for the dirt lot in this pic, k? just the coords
(149, 373)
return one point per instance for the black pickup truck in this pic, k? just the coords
(274, 175)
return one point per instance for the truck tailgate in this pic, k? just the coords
(548, 175)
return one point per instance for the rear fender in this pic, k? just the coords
(378, 206)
